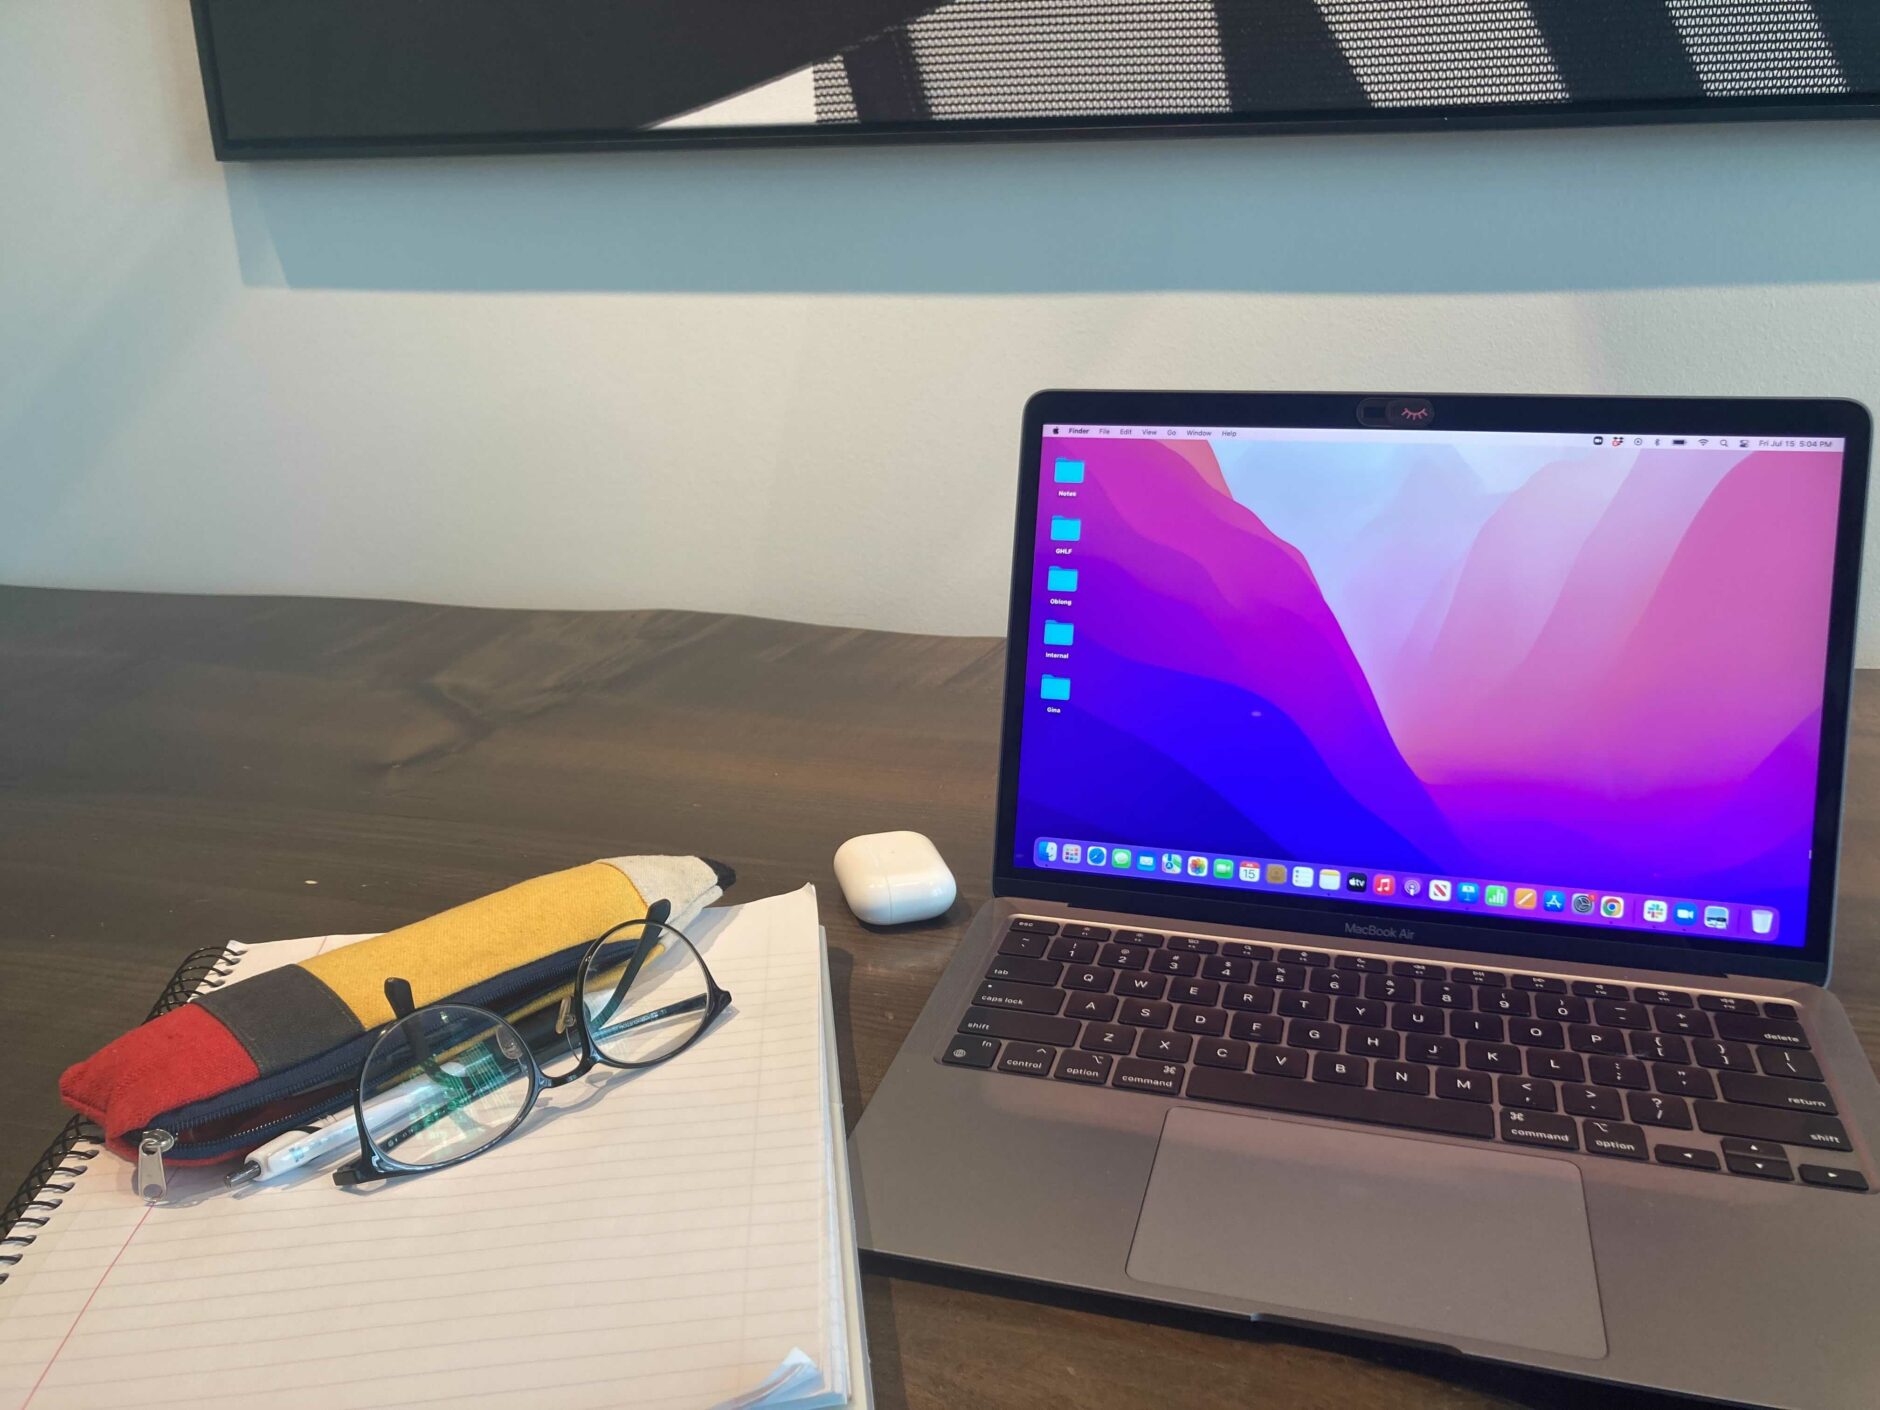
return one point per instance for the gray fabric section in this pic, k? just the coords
(283, 1017)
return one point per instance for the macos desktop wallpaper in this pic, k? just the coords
(1544, 663)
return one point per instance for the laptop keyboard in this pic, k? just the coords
(1683, 1078)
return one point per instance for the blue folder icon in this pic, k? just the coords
(1061, 579)
(1066, 530)
(1059, 633)
(1068, 472)
(1055, 688)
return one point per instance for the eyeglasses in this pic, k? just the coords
(447, 1082)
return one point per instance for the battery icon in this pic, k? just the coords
(1677, 440)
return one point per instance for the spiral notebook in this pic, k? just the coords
(679, 1237)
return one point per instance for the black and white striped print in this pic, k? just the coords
(1104, 58)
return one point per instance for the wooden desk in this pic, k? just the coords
(182, 771)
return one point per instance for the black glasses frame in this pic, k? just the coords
(374, 1163)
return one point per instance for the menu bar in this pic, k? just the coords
(1615, 440)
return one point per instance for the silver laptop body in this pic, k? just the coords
(1385, 1005)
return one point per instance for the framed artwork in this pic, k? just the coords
(288, 78)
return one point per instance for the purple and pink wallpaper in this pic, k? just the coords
(1542, 664)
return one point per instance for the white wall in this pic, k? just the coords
(788, 382)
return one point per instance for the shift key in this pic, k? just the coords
(1761, 1123)
(1025, 1027)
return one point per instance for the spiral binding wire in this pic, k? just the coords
(207, 968)
(81, 1141)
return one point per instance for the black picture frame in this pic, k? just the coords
(1446, 930)
(232, 87)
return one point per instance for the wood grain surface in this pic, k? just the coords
(179, 771)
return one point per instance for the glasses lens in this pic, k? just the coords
(444, 1083)
(644, 994)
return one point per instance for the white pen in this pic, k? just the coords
(291, 1150)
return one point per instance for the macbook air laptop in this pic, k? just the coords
(1414, 890)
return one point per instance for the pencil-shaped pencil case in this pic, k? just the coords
(220, 1076)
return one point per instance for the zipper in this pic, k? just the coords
(331, 1069)
(153, 1181)
(335, 1066)
(251, 1136)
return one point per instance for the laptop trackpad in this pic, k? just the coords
(1440, 1241)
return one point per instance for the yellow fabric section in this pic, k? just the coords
(468, 944)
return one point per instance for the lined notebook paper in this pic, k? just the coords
(678, 1237)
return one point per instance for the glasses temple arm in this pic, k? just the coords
(691, 1005)
(655, 916)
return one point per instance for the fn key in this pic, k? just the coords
(971, 1052)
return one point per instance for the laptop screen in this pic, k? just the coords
(1561, 679)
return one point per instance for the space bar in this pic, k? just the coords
(1211, 1084)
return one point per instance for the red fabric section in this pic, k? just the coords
(181, 1057)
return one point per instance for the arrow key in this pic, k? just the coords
(1689, 1156)
(1758, 1167)
(1766, 1150)
(1833, 1177)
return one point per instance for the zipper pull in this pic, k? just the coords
(152, 1180)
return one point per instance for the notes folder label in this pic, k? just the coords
(1065, 530)
(1068, 472)
(1059, 633)
(1055, 688)
(1061, 579)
